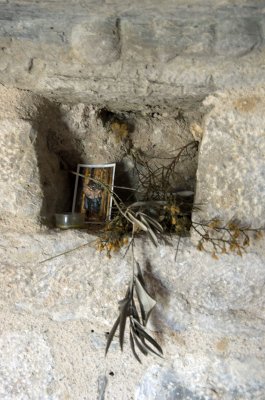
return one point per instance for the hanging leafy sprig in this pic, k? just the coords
(136, 297)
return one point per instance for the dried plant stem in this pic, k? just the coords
(68, 251)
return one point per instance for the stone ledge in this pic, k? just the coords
(105, 54)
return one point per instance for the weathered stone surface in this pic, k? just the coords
(231, 172)
(127, 56)
(207, 311)
(238, 38)
(18, 159)
(26, 366)
(97, 41)
(161, 39)
(162, 384)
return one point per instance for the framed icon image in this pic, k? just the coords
(92, 193)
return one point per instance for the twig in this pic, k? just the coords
(67, 252)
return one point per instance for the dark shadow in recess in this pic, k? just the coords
(123, 183)
(57, 155)
(123, 178)
(108, 117)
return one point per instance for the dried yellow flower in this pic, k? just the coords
(173, 221)
(215, 223)
(120, 130)
(214, 255)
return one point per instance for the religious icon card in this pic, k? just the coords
(93, 191)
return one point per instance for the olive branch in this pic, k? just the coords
(161, 212)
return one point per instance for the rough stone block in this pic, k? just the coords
(231, 170)
(19, 183)
(162, 39)
(237, 37)
(26, 366)
(97, 41)
(101, 53)
(160, 383)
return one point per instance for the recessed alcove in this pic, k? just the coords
(70, 134)
(51, 138)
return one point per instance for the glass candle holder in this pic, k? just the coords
(70, 220)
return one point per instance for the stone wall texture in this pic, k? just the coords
(231, 173)
(131, 54)
(177, 69)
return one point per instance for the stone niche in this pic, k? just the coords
(43, 141)
(173, 72)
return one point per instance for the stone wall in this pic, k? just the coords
(175, 70)
(130, 55)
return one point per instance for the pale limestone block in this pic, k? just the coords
(26, 366)
(21, 194)
(231, 169)
(97, 41)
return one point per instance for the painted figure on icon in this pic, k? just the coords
(93, 197)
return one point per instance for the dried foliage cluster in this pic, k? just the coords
(160, 212)
(220, 238)
(163, 211)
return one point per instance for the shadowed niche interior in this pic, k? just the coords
(57, 155)
(155, 153)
